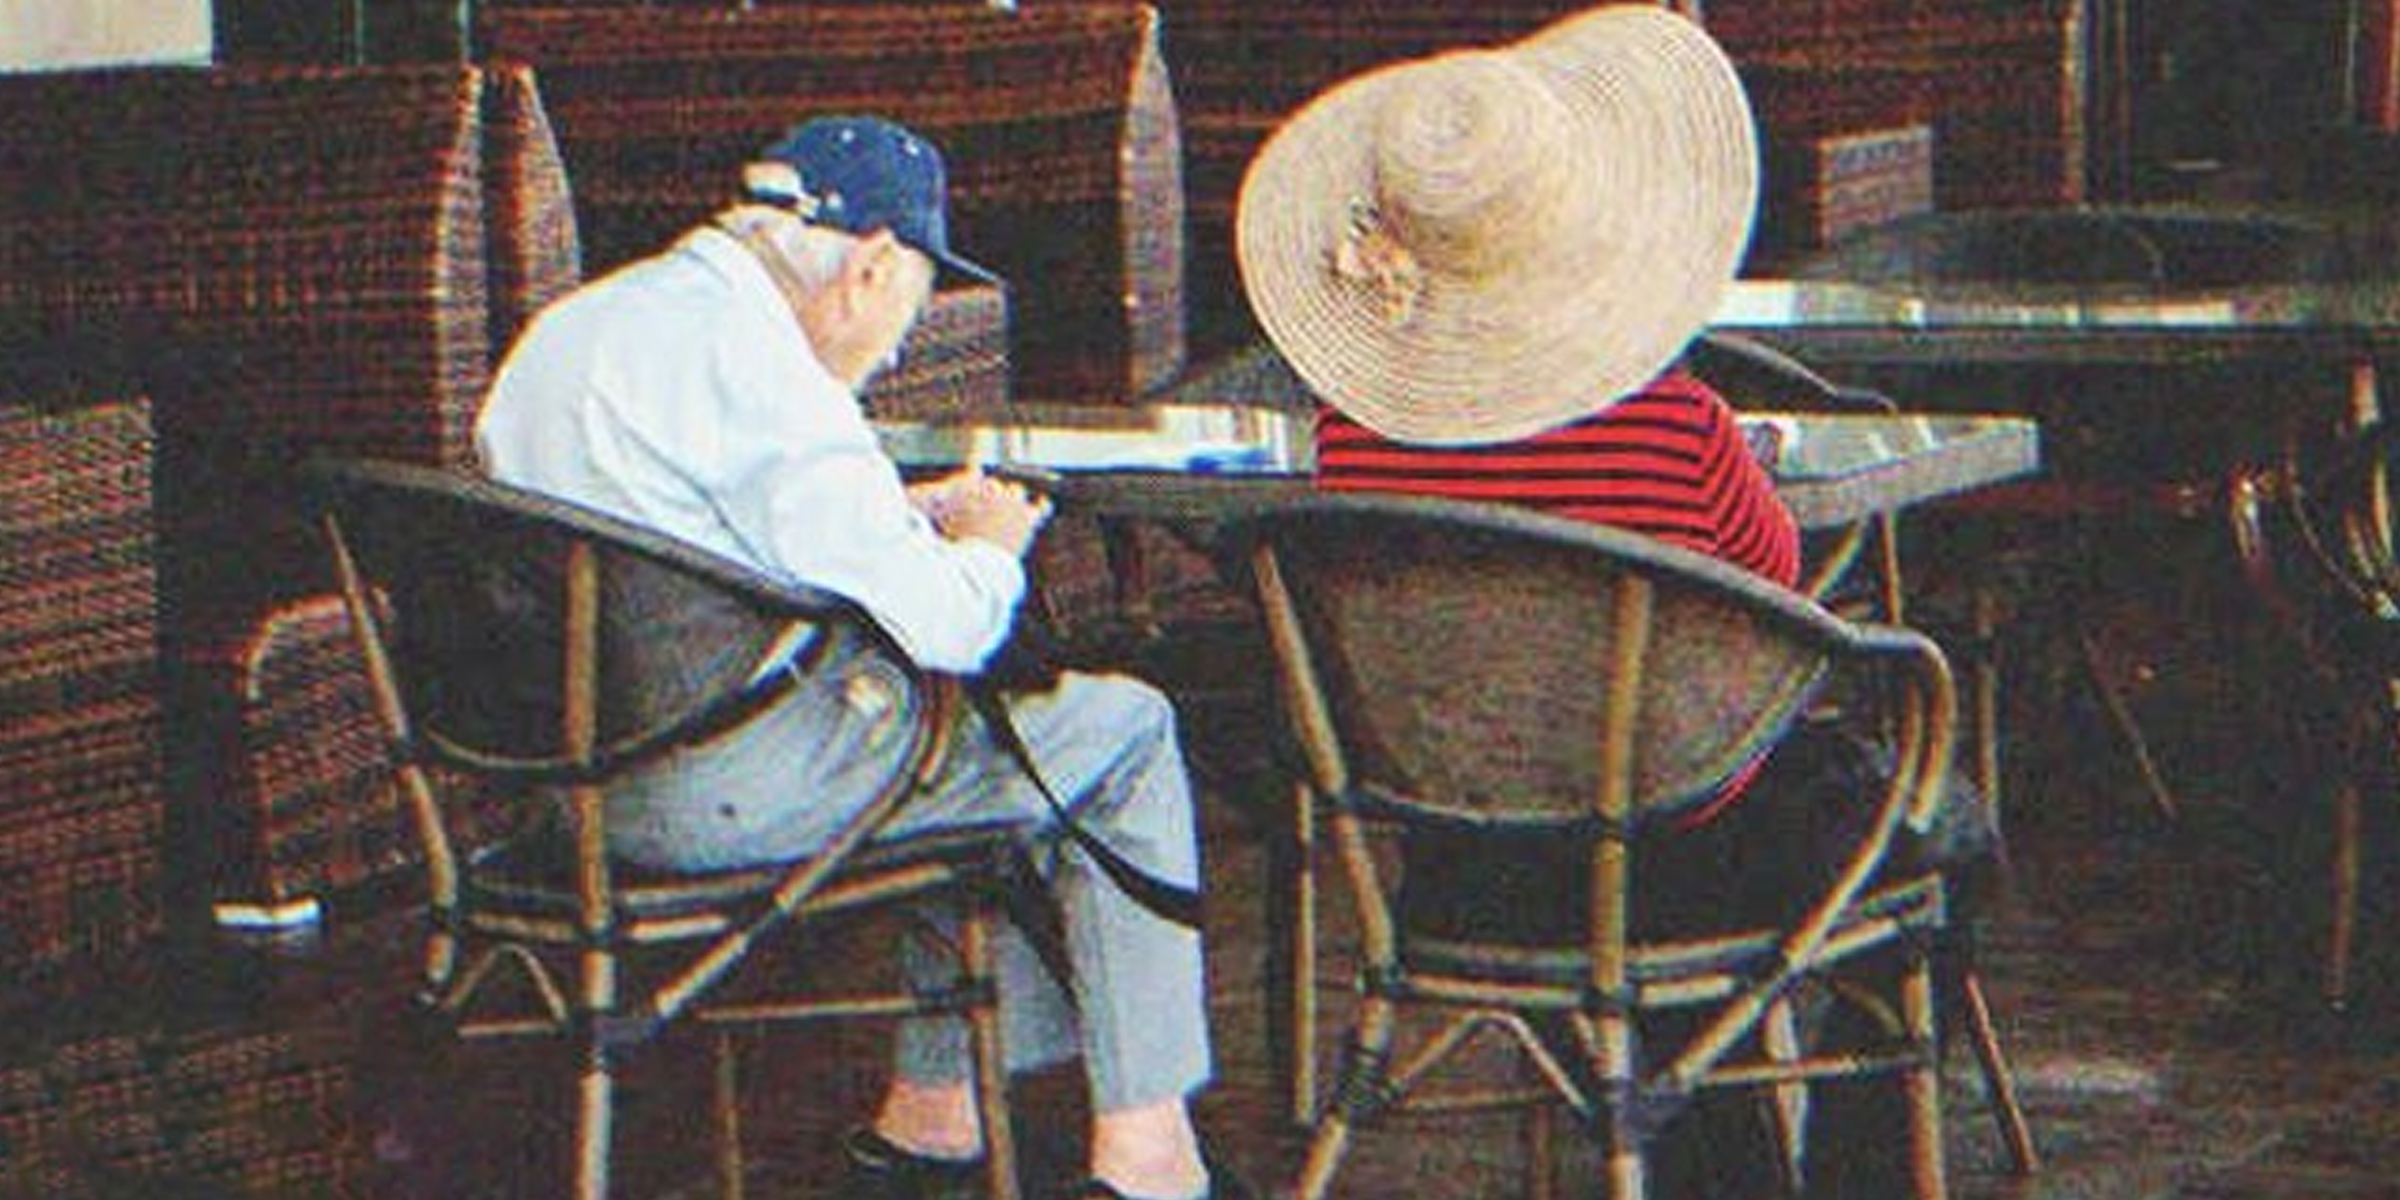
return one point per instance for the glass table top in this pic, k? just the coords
(1196, 460)
(2131, 278)
(1196, 439)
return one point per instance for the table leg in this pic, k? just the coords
(2129, 728)
(2344, 900)
(1983, 675)
(1292, 938)
(1129, 579)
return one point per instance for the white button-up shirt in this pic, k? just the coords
(680, 393)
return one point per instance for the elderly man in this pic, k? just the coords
(711, 392)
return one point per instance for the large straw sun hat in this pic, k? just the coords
(1485, 244)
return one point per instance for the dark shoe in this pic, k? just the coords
(875, 1169)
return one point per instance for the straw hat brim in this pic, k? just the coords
(1661, 133)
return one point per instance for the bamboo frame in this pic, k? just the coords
(1736, 1047)
(572, 944)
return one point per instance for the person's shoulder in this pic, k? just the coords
(1675, 398)
(1678, 386)
(663, 299)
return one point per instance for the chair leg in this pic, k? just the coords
(1362, 1075)
(728, 1103)
(595, 1106)
(1300, 1012)
(1923, 1084)
(1781, 1039)
(2344, 900)
(1998, 1080)
(1611, 1037)
(1541, 1152)
(991, 1068)
(1984, 674)
(1628, 1172)
(2128, 727)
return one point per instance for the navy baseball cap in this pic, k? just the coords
(861, 174)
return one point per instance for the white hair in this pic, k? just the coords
(814, 251)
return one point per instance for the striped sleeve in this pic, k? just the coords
(1668, 461)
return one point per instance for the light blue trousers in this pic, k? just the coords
(1106, 744)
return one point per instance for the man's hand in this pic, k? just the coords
(971, 504)
(934, 497)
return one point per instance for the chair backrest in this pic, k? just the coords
(1754, 375)
(289, 260)
(1474, 661)
(1057, 121)
(82, 798)
(533, 638)
(2316, 537)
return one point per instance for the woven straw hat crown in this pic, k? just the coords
(1485, 244)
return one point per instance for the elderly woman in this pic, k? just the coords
(1488, 264)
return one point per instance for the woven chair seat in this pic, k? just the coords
(1725, 959)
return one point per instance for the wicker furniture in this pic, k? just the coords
(1754, 375)
(1821, 187)
(244, 1107)
(82, 802)
(2004, 83)
(1057, 122)
(2315, 535)
(546, 650)
(328, 267)
(1465, 667)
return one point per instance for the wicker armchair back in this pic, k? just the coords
(1057, 122)
(282, 260)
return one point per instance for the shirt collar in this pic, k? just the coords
(724, 254)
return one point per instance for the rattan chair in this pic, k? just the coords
(1462, 667)
(1754, 375)
(533, 645)
(2315, 536)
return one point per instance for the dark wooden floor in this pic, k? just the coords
(2156, 981)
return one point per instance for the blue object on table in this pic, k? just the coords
(1234, 461)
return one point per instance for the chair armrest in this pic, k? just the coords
(1754, 375)
(1927, 696)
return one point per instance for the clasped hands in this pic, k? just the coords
(971, 504)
